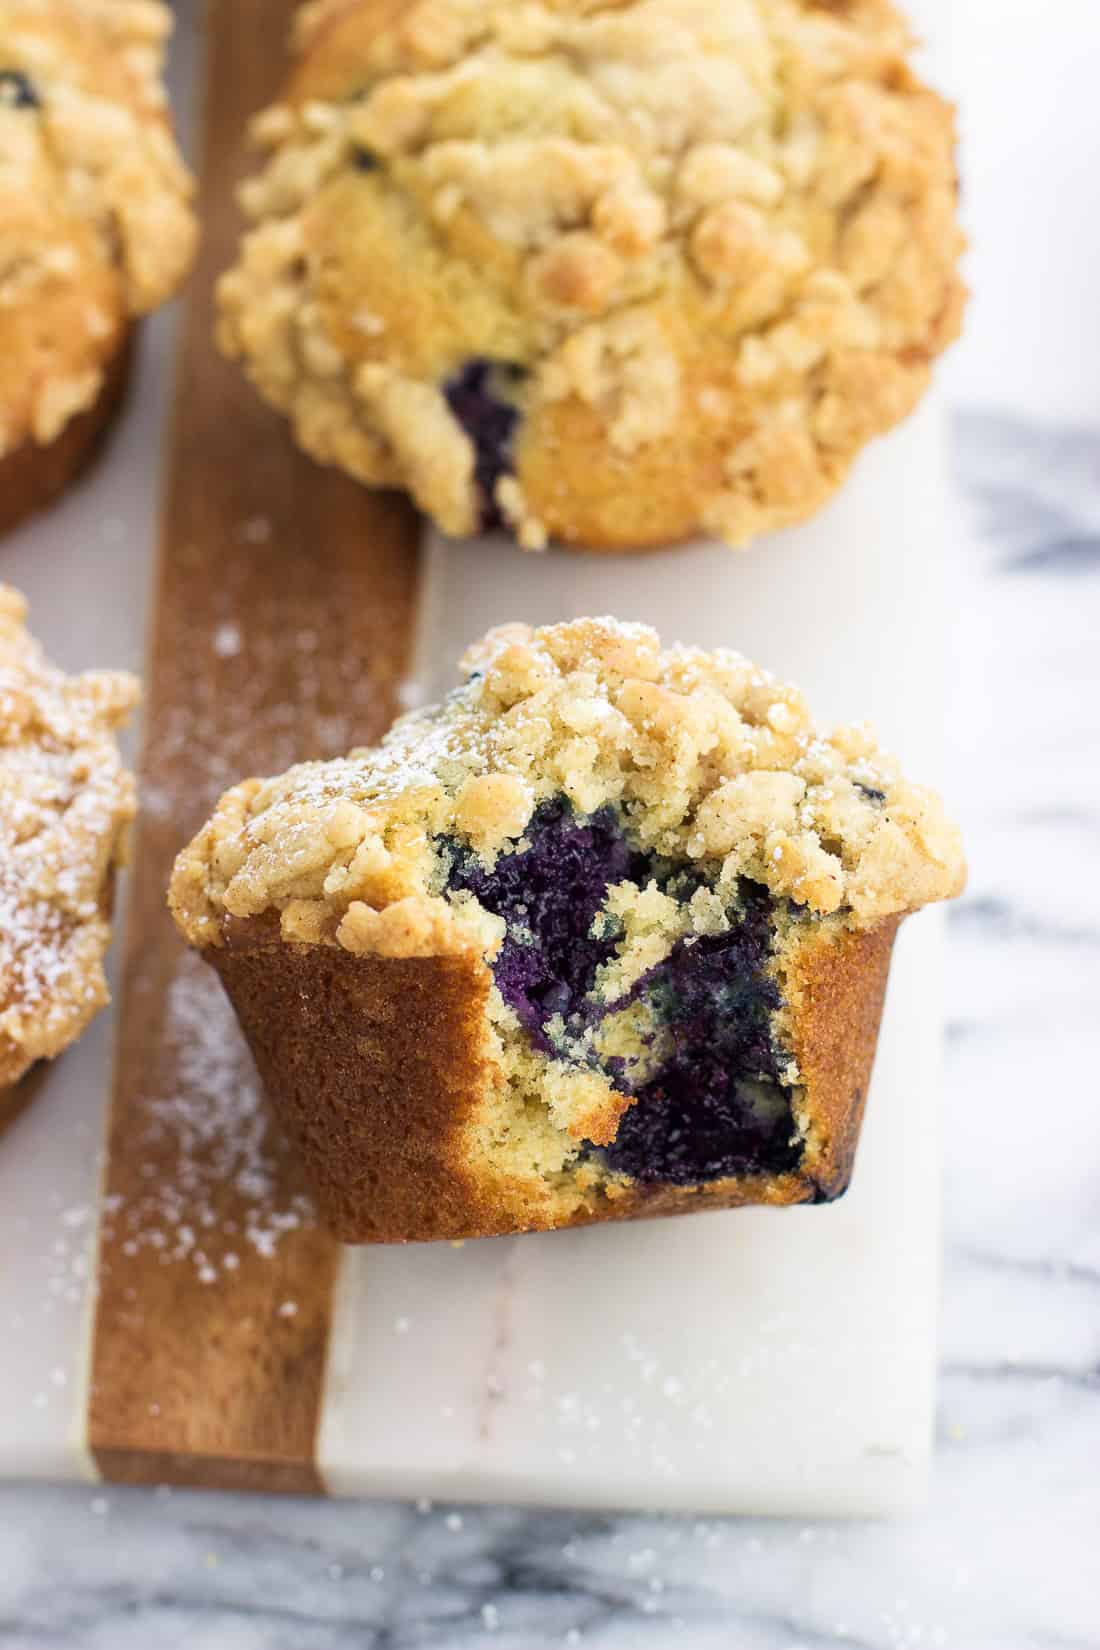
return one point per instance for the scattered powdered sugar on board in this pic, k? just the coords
(654, 1407)
(217, 1131)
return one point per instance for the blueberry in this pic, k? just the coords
(16, 91)
(717, 1106)
(364, 160)
(548, 895)
(556, 999)
(477, 397)
(872, 793)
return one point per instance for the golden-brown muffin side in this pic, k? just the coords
(32, 477)
(376, 1067)
(96, 226)
(66, 804)
(614, 275)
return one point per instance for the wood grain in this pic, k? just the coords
(281, 627)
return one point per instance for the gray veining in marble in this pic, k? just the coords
(1006, 1556)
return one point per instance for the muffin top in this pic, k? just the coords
(65, 803)
(95, 222)
(703, 758)
(615, 273)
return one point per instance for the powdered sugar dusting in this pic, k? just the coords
(711, 761)
(253, 675)
(215, 1129)
(66, 801)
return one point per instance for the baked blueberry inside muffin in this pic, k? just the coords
(706, 1080)
(17, 90)
(477, 396)
(718, 238)
(549, 895)
(606, 934)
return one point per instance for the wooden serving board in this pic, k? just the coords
(281, 626)
(187, 1321)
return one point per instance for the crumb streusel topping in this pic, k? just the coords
(708, 761)
(96, 225)
(713, 242)
(65, 805)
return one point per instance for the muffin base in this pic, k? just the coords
(15, 1099)
(375, 1066)
(33, 476)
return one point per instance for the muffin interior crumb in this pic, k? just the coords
(686, 1073)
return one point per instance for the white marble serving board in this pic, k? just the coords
(768, 1361)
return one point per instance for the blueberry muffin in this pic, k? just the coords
(611, 274)
(95, 226)
(65, 805)
(604, 935)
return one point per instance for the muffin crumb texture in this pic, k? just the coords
(610, 274)
(709, 760)
(67, 803)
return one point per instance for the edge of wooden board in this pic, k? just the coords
(281, 628)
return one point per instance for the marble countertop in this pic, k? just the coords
(1004, 1558)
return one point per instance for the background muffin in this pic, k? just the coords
(65, 805)
(95, 225)
(613, 274)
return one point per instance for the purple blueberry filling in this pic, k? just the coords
(16, 91)
(549, 896)
(717, 1106)
(477, 397)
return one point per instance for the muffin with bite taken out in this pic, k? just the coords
(604, 935)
